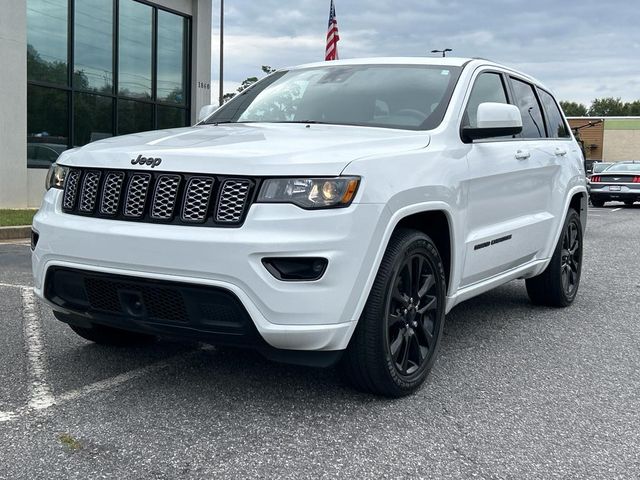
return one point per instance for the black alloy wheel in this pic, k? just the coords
(398, 335)
(558, 285)
(412, 319)
(571, 258)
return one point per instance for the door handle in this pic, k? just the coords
(560, 152)
(522, 154)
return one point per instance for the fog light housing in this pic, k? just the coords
(296, 269)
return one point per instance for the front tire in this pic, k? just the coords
(398, 335)
(558, 285)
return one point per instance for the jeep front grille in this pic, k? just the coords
(158, 197)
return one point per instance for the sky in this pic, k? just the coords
(581, 50)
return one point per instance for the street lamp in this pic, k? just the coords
(443, 52)
(221, 94)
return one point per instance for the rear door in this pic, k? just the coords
(509, 186)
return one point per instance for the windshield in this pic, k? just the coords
(600, 167)
(624, 167)
(411, 97)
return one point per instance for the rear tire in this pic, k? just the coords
(629, 203)
(398, 335)
(558, 285)
(597, 203)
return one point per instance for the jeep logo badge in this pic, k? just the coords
(153, 162)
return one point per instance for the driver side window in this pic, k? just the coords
(488, 88)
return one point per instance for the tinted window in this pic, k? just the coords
(555, 123)
(171, 57)
(624, 167)
(487, 88)
(393, 96)
(93, 53)
(525, 99)
(93, 118)
(134, 116)
(47, 120)
(135, 49)
(47, 41)
(170, 117)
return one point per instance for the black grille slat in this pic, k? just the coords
(197, 199)
(158, 197)
(232, 201)
(165, 196)
(89, 191)
(136, 196)
(71, 185)
(111, 192)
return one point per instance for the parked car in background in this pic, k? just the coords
(599, 167)
(42, 155)
(619, 182)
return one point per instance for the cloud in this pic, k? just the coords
(581, 51)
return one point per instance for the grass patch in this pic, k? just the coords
(69, 442)
(13, 218)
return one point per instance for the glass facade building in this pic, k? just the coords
(98, 68)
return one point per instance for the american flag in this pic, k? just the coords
(331, 52)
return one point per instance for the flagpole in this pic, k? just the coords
(221, 93)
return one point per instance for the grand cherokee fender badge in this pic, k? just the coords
(154, 162)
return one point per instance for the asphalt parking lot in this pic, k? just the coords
(518, 392)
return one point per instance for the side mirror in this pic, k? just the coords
(494, 120)
(206, 111)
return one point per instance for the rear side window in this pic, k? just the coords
(525, 99)
(555, 122)
(488, 88)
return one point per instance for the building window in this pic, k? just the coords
(130, 72)
(136, 49)
(93, 46)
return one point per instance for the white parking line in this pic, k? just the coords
(109, 383)
(11, 285)
(616, 209)
(40, 393)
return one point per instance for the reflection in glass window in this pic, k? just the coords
(47, 41)
(171, 57)
(525, 98)
(134, 116)
(93, 49)
(47, 120)
(135, 49)
(557, 127)
(488, 88)
(93, 118)
(170, 117)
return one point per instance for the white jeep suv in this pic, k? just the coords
(332, 212)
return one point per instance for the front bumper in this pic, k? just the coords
(318, 315)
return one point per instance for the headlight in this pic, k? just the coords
(310, 192)
(55, 177)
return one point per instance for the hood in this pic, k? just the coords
(248, 149)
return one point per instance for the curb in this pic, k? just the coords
(15, 233)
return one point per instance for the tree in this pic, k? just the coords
(633, 108)
(247, 82)
(607, 107)
(574, 109)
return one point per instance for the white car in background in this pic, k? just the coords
(331, 212)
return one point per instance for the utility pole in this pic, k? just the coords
(221, 94)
